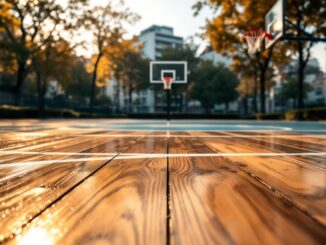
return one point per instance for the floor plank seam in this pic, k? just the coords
(168, 195)
(13, 235)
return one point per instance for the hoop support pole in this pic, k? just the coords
(168, 105)
(312, 39)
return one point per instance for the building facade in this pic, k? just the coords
(154, 39)
(157, 38)
(314, 78)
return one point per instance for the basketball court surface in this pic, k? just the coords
(153, 182)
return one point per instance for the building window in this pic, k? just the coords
(319, 91)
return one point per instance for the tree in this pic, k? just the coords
(224, 32)
(77, 87)
(249, 80)
(214, 85)
(307, 19)
(25, 27)
(187, 53)
(225, 86)
(132, 70)
(203, 87)
(106, 26)
(290, 90)
(52, 63)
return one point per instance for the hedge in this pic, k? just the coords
(183, 116)
(314, 114)
(15, 112)
(270, 116)
(101, 115)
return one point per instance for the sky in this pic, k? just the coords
(179, 15)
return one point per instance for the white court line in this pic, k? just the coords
(157, 154)
(57, 153)
(151, 156)
(188, 136)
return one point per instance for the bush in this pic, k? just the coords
(62, 113)
(182, 116)
(7, 111)
(307, 114)
(15, 112)
(101, 115)
(270, 116)
(249, 117)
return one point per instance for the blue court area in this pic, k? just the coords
(162, 125)
(207, 125)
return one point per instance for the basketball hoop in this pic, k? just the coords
(167, 83)
(254, 39)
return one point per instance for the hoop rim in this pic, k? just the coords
(167, 81)
(257, 33)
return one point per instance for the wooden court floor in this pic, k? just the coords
(156, 187)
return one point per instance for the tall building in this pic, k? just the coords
(156, 38)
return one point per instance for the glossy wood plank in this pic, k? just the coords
(126, 205)
(25, 195)
(214, 202)
(291, 142)
(245, 145)
(34, 140)
(301, 184)
(150, 145)
(187, 146)
(70, 152)
(70, 145)
(21, 142)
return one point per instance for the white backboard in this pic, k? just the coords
(179, 69)
(274, 23)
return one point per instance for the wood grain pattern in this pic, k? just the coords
(124, 203)
(302, 184)
(214, 202)
(289, 143)
(248, 145)
(142, 198)
(31, 191)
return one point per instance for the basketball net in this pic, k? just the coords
(254, 39)
(167, 83)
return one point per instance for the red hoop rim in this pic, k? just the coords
(258, 33)
(168, 79)
(167, 82)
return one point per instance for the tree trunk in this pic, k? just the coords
(118, 99)
(21, 75)
(262, 91)
(93, 88)
(155, 99)
(245, 105)
(129, 99)
(186, 99)
(226, 107)
(300, 77)
(254, 101)
(293, 103)
(300, 61)
(41, 89)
